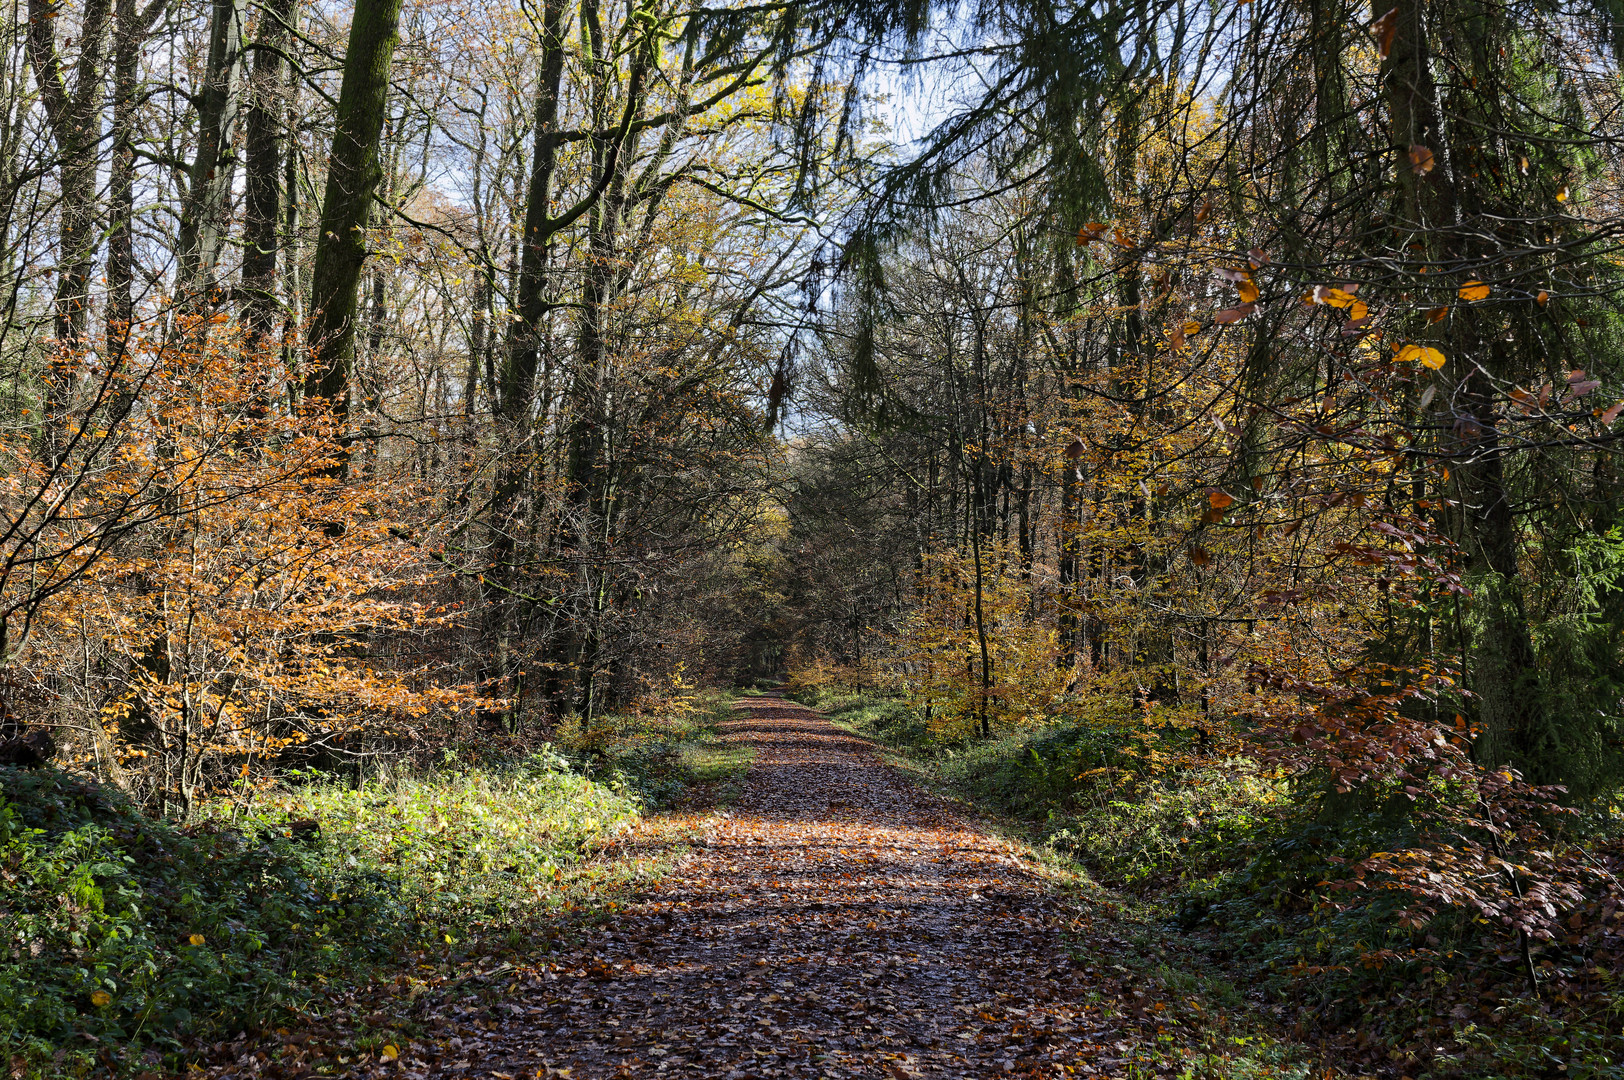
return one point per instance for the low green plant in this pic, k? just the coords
(658, 758)
(119, 932)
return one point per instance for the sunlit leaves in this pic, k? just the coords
(1332, 296)
(1425, 355)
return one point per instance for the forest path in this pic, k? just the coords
(839, 921)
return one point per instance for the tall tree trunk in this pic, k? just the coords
(1503, 671)
(353, 175)
(121, 181)
(202, 220)
(262, 203)
(75, 122)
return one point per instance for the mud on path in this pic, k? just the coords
(838, 921)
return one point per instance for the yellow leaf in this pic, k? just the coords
(390, 1052)
(196, 939)
(1191, 328)
(1337, 298)
(1562, 196)
(1359, 310)
(1248, 291)
(1424, 355)
(101, 999)
(1474, 290)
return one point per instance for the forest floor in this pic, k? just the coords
(834, 919)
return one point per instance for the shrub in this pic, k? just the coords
(124, 931)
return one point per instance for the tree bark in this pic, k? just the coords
(262, 204)
(353, 175)
(202, 221)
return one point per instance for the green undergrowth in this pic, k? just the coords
(125, 939)
(662, 759)
(1236, 866)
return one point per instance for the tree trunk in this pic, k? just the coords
(262, 204)
(202, 220)
(353, 175)
(75, 122)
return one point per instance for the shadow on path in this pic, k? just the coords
(839, 921)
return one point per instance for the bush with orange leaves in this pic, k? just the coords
(201, 590)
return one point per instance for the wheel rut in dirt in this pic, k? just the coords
(838, 921)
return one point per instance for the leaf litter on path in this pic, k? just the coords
(835, 921)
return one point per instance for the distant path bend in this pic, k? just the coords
(840, 921)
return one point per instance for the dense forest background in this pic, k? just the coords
(1224, 387)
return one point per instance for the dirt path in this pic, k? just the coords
(839, 922)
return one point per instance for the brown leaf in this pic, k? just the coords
(1384, 30)
(1421, 160)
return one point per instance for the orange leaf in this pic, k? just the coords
(1094, 230)
(1248, 291)
(1385, 29)
(1332, 296)
(1219, 499)
(1474, 290)
(1199, 556)
(1437, 314)
(1421, 160)
(1542, 298)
